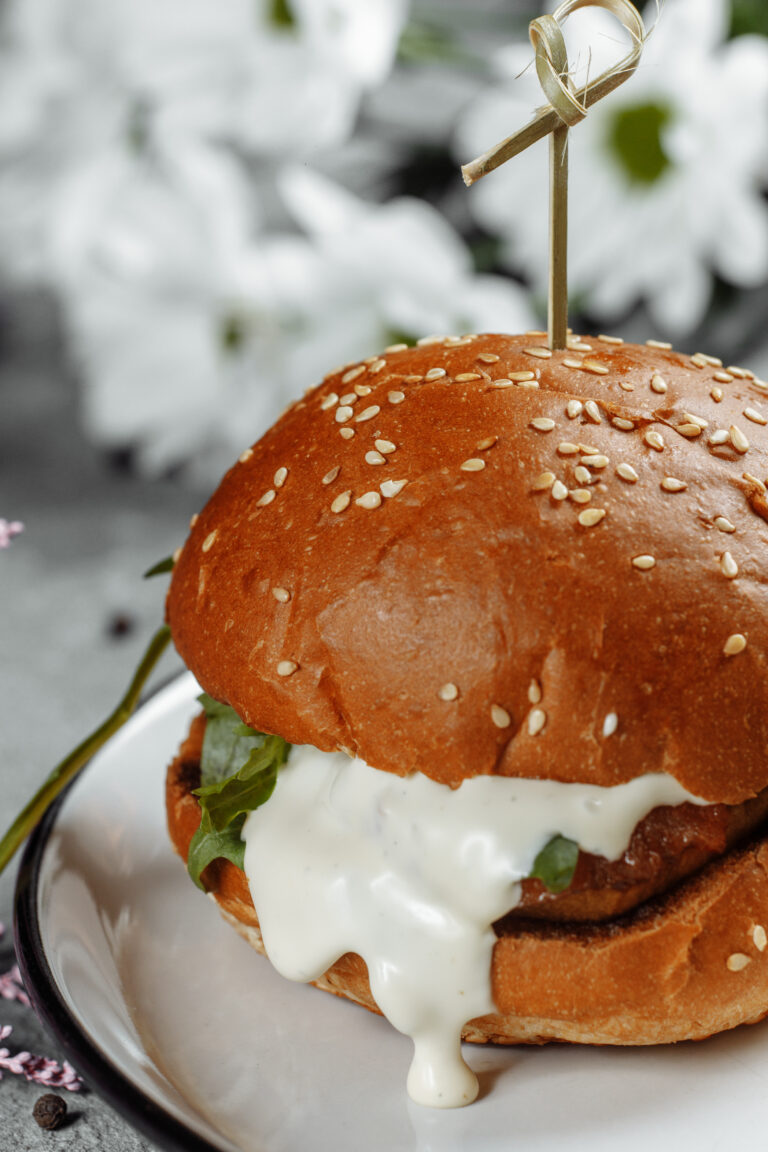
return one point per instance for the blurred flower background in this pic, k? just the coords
(224, 200)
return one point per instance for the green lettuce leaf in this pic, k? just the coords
(238, 769)
(556, 863)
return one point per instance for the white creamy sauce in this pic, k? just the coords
(411, 875)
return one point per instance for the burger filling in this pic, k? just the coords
(420, 879)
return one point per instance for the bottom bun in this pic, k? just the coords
(680, 967)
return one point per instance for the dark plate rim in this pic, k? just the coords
(98, 1070)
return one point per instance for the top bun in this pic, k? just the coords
(477, 556)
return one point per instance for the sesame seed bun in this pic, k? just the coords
(477, 556)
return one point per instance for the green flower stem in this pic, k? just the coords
(61, 775)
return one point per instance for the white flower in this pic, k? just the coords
(394, 269)
(666, 172)
(146, 247)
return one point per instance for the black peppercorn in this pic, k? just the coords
(49, 1111)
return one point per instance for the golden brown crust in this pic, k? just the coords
(475, 579)
(681, 967)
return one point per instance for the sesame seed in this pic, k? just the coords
(738, 439)
(658, 383)
(574, 408)
(244, 457)
(475, 464)
(329, 401)
(760, 385)
(500, 717)
(757, 482)
(367, 414)
(690, 431)
(424, 340)
(463, 377)
(385, 446)
(348, 399)
(396, 397)
(346, 433)
(755, 416)
(363, 390)
(542, 424)
(543, 482)
(534, 692)
(717, 395)
(723, 524)
(267, 498)
(521, 377)
(570, 363)
(759, 937)
(193, 519)
(622, 424)
(412, 379)
(353, 374)
(566, 448)
(644, 563)
(559, 491)
(610, 724)
(611, 339)
(343, 414)
(280, 477)
(528, 384)
(662, 344)
(396, 348)
(734, 644)
(739, 373)
(625, 384)
(177, 554)
(540, 353)
(537, 720)
(583, 475)
(698, 361)
(595, 367)
(593, 412)
(719, 436)
(448, 691)
(536, 333)
(595, 461)
(331, 476)
(488, 357)
(369, 500)
(580, 495)
(712, 360)
(728, 566)
(434, 374)
(486, 443)
(209, 540)
(579, 346)
(341, 502)
(374, 457)
(723, 377)
(737, 961)
(698, 420)
(281, 594)
(392, 487)
(589, 449)
(654, 440)
(590, 517)
(377, 366)
(286, 667)
(502, 382)
(671, 484)
(627, 472)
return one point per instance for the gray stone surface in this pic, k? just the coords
(90, 533)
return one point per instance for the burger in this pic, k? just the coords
(481, 631)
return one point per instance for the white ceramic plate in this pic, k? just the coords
(202, 1046)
